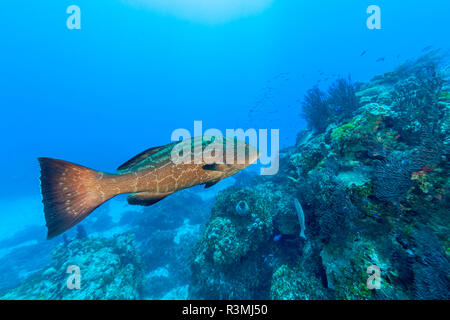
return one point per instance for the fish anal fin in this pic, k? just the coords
(209, 184)
(146, 198)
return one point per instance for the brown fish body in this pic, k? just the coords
(71, 192)
(158, 181)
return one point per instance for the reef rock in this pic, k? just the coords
(109, 269)
(372, 176)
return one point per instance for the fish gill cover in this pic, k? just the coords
(362, 187)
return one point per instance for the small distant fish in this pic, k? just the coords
(427, 48)
(363, 53)
(269, 259)
(381, 59)
(277, 237)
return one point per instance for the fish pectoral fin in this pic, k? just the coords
(216, 166)
(209, 184)
(146, 198)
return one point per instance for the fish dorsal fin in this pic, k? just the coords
(141, 156)
(146, 198)
(216, 166)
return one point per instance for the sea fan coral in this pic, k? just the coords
(430, 271)
(342, 98)
(315, 109)
(393, 178)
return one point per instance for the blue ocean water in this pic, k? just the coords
(138, 70)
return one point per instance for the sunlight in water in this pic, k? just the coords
(207, 11)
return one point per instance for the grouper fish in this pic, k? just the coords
(71, 192)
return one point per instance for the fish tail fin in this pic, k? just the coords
(70, 192)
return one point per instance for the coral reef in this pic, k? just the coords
(232, 259)
(320, 108)
(110, 269)
(372, 178)
(315, 109)
(140, 254)
(22, 261)
(295, 284)
(242, 208)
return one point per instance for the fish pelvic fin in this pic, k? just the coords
(146, 198)
(70, 192)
